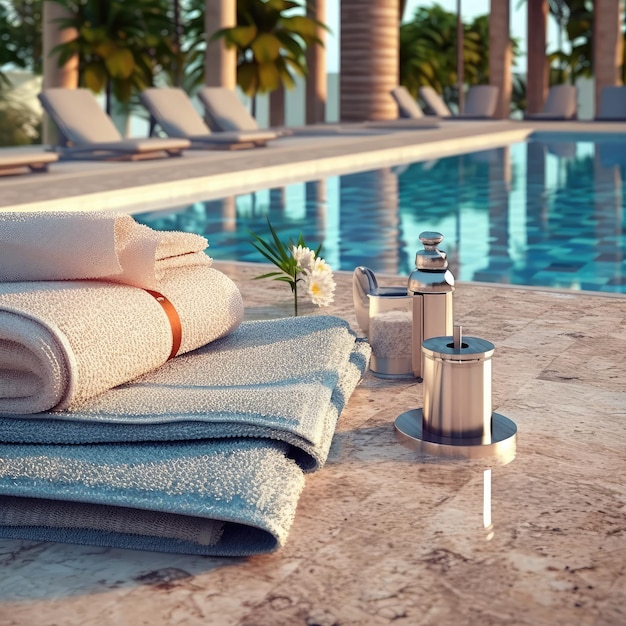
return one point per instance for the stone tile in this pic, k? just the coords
(386, 535)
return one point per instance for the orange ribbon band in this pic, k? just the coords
(172, 316)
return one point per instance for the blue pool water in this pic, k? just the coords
(547, 213)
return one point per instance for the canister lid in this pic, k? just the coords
(431, 273)
(431, 258)
(472, 349)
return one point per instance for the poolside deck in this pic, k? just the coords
(382, 534)
(98, 185)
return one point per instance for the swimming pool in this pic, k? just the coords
(548, 213)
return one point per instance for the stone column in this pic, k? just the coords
(316, 88)
(537, 80)
(369, 55)
(53, 75)
(500, 55)
(608, 44)
(220, 62)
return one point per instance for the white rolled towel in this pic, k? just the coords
(107, 246)
(64, 340)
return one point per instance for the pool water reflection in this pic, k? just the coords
(542, 213)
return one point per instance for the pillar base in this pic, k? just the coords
(410, 432)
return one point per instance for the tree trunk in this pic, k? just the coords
(369, 59)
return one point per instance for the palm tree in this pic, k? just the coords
(428, 52)
(271, 40)
(121, 44)
(20, 34)
(20, 46)
(575, 20)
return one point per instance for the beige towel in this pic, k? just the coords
(64, 340)
(100, 245)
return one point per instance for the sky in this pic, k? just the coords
(469, 10)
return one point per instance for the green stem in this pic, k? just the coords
(295, 297)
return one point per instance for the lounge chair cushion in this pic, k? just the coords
(175, 113)
(560, 105)
(87, 127)
(434, 102)
(225, 111)
(78, 115)
(481, 102)
(407, 105)
(612, 103)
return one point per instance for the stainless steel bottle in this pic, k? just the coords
(432, 284)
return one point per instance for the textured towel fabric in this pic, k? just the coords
(99, 245)
(283, 379)
(224, 497)
(62, 342)
(217, 440)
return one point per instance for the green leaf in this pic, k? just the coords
(120, 63)
(301, 25)
(266, 48)
(241, 36)
(95, 77)
(248, 78)
(269, 77)
(268, 275)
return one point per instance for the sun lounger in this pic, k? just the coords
(88, 132)
(224, 110)
(480, 103)
(434, 102)
(561, 104)
(410, 115)
(407, 105)
(174, 112)
(612, 104)
(15, 159)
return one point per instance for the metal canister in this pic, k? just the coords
(457, 386)
(432, 284)
(385, 315)
(390, 335)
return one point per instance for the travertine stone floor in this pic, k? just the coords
(384, 535)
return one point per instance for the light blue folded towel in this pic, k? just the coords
(204, 455)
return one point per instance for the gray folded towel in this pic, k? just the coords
(223, 434)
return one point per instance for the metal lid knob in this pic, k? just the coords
(431, 258)
(431, 273)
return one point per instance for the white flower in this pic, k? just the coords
(305, 257)
(320, 286)
(321, 266)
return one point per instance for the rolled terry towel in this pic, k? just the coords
(100, 245)
(62, 342)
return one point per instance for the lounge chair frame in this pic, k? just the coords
(87, 132)
(561, 104)
(15, 160)
(172, 110)
(481, 102)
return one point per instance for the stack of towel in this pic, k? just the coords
(136, 410)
